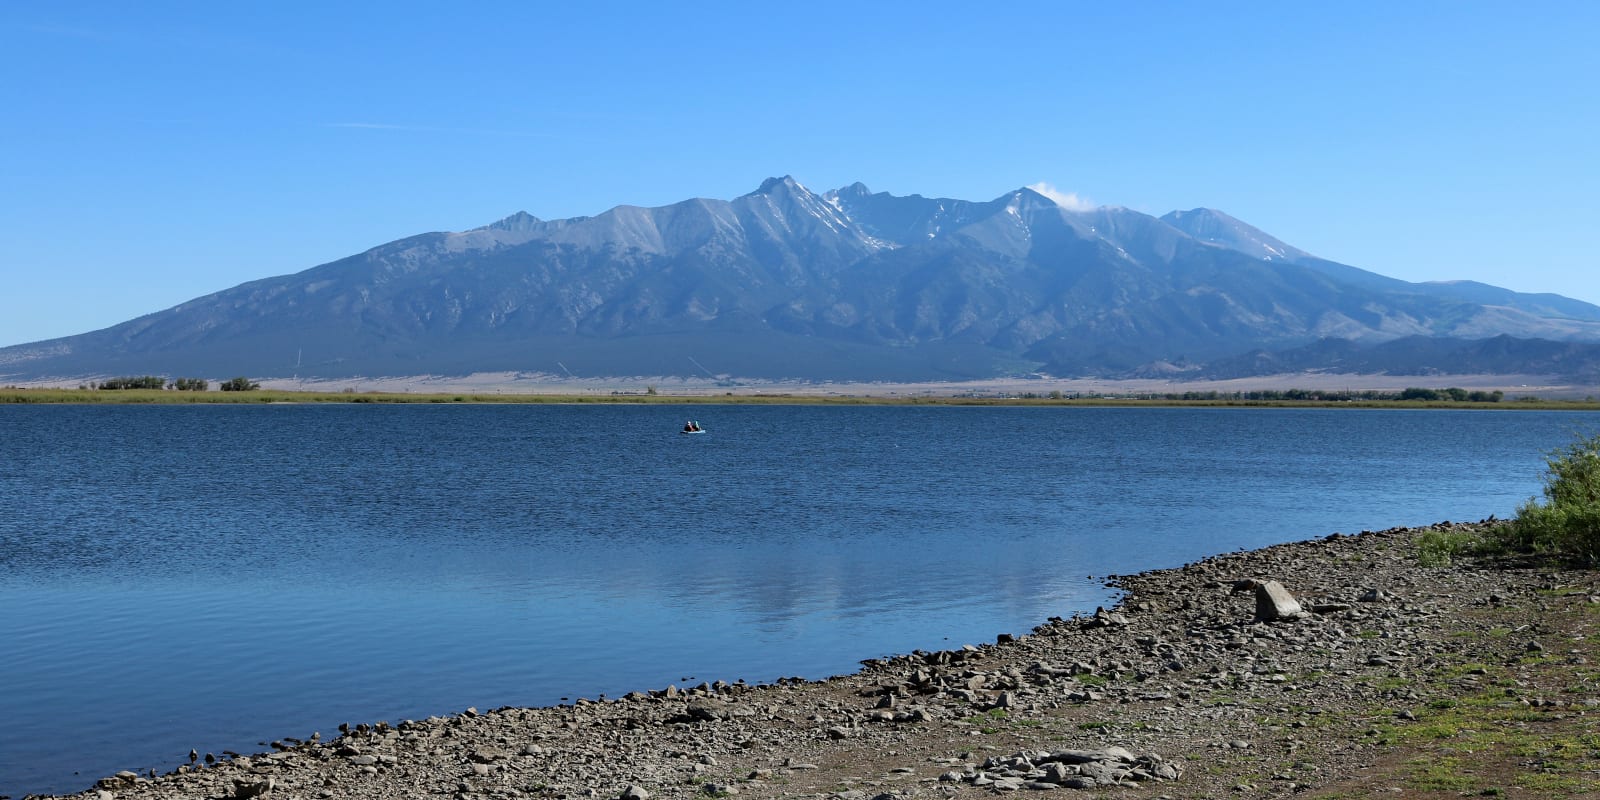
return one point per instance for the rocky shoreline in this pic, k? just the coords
(1264, 673)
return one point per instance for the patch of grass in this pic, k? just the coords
(1438, 729)
(1443, 548)
(1462, 670)
(988, 716)
(984, 721)
(1439, 775)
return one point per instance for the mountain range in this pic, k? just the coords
(786, 283)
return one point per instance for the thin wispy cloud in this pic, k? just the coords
(1067, 200)
(376, 126)
(390, 126)
(168, 38)
(75, 32)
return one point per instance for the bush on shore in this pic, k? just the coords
(1565, 527)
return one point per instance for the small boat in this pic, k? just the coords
(696, 430)
(691, 427)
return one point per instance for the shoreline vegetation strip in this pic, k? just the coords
(13, 396)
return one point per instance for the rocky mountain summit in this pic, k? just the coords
(785, 282)
(1337, 664)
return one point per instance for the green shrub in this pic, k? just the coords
(1567, 525)
(1441, 548)
(240, 384)
(1564, 531)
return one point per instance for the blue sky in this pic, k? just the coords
(153, 152)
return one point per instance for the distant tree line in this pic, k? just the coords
(1457, 395)
(1347, 395)
(1314, 395)
(240, 384)
(133, 382)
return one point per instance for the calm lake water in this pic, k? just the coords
(216, 577)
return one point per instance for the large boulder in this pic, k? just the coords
(1273, 603)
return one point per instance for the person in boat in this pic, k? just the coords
(688, 427)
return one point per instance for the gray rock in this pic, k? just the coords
(1115, 753)
(707, 711)
(486, 755)
(1074, 756)
(634, 792)
(1101, 772)
(1273, 603)
(246, 789)
(1058, 773)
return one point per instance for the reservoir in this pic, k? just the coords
(216, 577)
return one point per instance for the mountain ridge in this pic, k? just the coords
(783, 282)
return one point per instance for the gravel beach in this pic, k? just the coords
(1334, 667)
